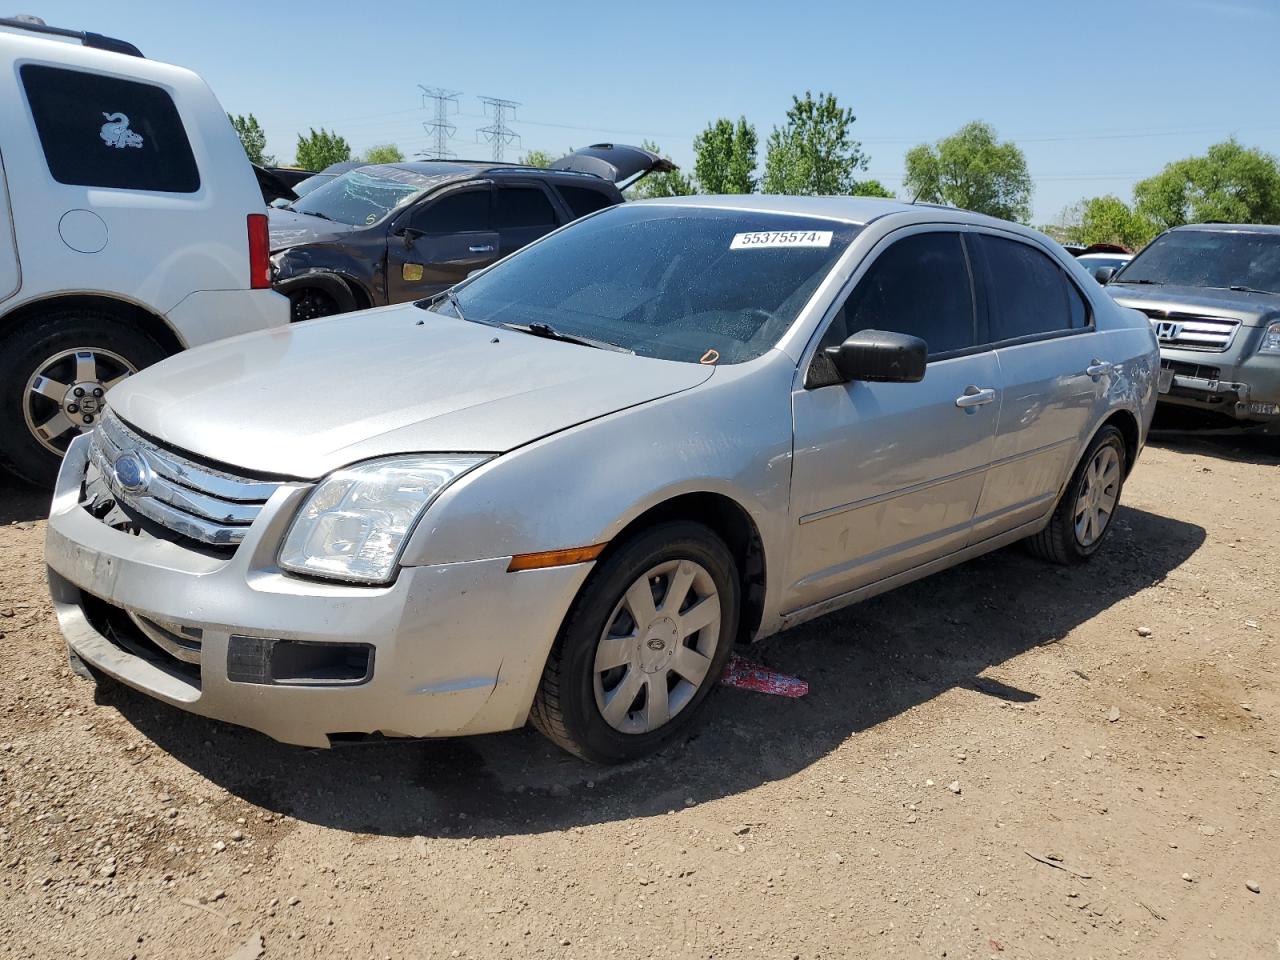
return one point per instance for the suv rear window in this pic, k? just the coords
(101, 131)
(583, 200)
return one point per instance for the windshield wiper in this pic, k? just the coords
(548, 332)
(454, 302)
(1154, 283)
(1239, 288)
(312, 213)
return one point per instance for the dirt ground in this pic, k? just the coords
(1006, 760)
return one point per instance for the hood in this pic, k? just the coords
(1253, 309)
(303, 400)
(290, 229)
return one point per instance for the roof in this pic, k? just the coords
(859, 210)
(1267, 228)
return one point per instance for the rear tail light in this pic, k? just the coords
(259, 252)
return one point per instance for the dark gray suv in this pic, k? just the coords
(1212, 293)
(391, 233)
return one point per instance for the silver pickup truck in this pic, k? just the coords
(1212, 293)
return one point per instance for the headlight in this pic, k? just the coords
(354, 524)
(1270, 339)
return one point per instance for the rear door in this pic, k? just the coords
(523, 211)
(1041, 328)
(439, 240)
(10, 272)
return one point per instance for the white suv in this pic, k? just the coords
(131, 227)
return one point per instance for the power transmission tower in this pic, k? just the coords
(439, 127)
(498, 133)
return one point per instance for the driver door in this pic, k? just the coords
(440, 240)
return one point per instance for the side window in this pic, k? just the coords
(466, 211)
(920, 286)
(523, 207)
(1077, 307)
(1028, 290)
(101, 131)
(583, 200)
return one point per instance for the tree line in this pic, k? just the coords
(814, 152)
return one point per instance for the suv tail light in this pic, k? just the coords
(259, 252)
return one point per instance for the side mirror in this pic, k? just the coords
(410, 236)
(1104, 274)
(880, 356)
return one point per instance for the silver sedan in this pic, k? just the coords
(562, 491)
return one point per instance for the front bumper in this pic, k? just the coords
(1239, 383)
(457, 648)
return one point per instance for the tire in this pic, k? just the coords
(603, 656)
(56, 344)
(1062, 541)
(310, 303)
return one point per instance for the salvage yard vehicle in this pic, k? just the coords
(1212, 293)
(394, 232)
(131, 227)
(565, 488)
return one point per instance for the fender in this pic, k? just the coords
(330, 283)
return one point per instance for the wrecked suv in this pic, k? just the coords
(395, 232)
(1212, 293)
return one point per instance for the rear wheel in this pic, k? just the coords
(1083, 516)
(642, 646)
(55, 373)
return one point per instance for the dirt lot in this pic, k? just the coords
(1007, 760)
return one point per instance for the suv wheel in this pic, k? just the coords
(55, 372)
(642, 646)
(1083, 516)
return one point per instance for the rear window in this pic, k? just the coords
(101, 131)
(582, 200)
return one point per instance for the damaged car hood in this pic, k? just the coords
(287, 228)
(301, 401)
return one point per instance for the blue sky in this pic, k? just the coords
(1098, 94)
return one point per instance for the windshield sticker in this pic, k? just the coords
(781, 238)
(116, 133)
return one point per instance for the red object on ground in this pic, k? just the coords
(747, 675)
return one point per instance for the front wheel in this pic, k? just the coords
(642, 646)
(1083, 516)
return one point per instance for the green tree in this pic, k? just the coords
(253, 139)
(319, 149)
(1106, 219)
(813, 153)
(1230, 182)
(725, 157)
(871, 188)
(672, 184)
(536, 158)
(383, 153)
(972, 170)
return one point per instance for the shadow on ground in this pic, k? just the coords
(1256, 448)
(21, 502)
(865, 664)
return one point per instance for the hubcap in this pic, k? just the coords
(1098, 495)
(66, 394)
(657, 646)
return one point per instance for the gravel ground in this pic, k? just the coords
(1008, 759)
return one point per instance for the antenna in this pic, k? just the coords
(439, 127)
(498, 133)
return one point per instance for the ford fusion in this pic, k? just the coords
(562, 490)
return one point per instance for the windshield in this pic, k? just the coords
(676, 283)
(363, 196)
(1208, 258)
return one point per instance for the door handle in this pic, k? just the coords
(1097, 368)
(482, 248)
(975, 397)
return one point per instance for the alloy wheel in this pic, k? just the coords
(657, 646)
(65, 396)
(1099, 491)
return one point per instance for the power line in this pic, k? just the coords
(439, 127)
(498, 133)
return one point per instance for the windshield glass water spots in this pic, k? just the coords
(665, 282)
(365, 196)
(1209, 258)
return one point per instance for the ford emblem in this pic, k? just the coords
(132, 473)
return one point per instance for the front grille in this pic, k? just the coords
(195, 501)
(1189, 332)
